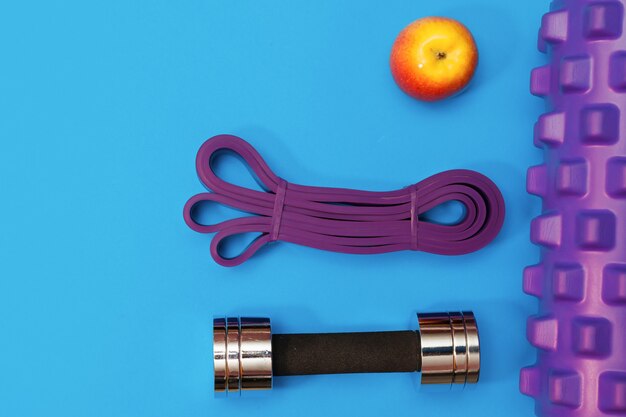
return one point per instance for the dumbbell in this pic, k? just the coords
(444, 350)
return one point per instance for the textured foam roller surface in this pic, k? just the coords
(580, 330)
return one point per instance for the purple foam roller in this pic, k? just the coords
(580, 330)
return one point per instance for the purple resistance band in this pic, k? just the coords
(344, 220)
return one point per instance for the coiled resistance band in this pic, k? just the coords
(344, 220)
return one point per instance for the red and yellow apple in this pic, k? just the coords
(433, 58)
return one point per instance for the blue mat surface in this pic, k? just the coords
(106, 297)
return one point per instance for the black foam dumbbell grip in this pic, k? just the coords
(344, 353)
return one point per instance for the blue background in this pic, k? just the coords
(106, 297)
